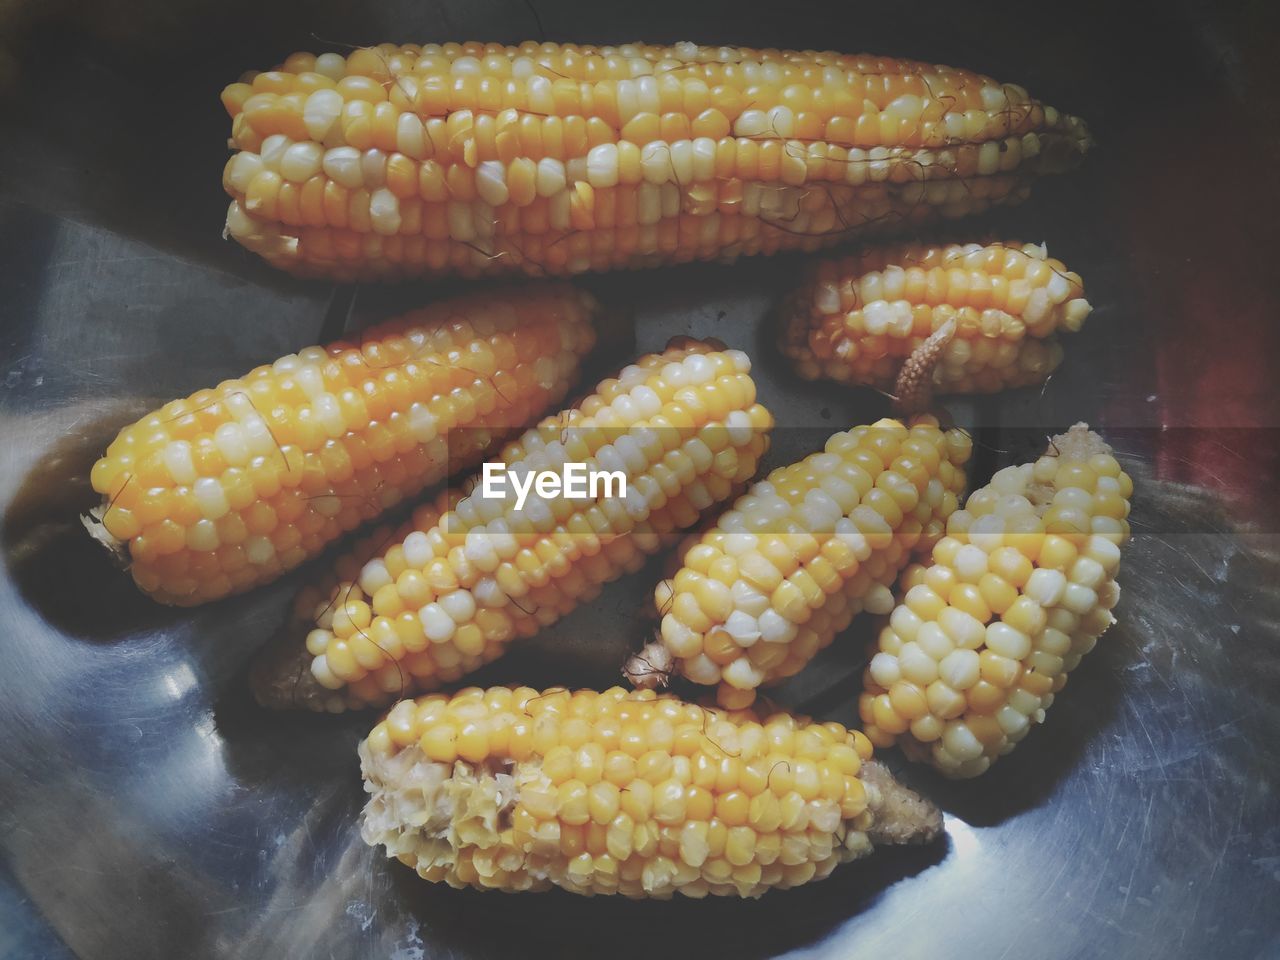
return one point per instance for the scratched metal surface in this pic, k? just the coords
(148, 810)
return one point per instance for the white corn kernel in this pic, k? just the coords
(1006, 641)
(320, 112)
(436, 624)
(960, 669)
(1046, 587)
(230, 440)
(602, 165)
(203, 536)
(331, 65)
(491, 182)
(742, 674)
(384, 212)
(959, 741)
(243, 168)
(178, 461)
(374, 576)
(343, 166)
(210, 498)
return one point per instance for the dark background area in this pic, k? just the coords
(148, 809)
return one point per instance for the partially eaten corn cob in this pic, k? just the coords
(624, 792)
(858, 319)
(551, 158)
(231, 487)
(800, 554)
(1018, 591)
(684, 428)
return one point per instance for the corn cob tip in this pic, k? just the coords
(1078, 443)
(93, 525)
(913, 391)
(902, 816)
(1065, 153)
(651, 667)
(280, 676)
(696, 344)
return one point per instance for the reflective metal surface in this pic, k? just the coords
(147, 809)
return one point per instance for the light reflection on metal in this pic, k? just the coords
(964, 839)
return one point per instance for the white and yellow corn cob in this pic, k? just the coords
(233, 486)
(683, 426)
(1019, 589)
(859, 319)
(800, 554)
(549, 158)
(624, 792)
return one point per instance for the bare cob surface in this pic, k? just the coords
(800, 554)
(233, 486)
(549, 158)
(993, 310)
(683, 425)
(624, 792)
(1017, 592)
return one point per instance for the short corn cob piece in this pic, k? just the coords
(231, 487)
(684, 427)
(1018, 591)
(858, 319)
(551, 158)
(624, 792)
(800, 554)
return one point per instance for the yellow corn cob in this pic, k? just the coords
(231, 487)
(858, 319)
(683, 426)
(803, 552)
(556, 158)
(624, 792)
(1018, 591)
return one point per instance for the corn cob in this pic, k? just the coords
(684, 427)
(1018, 591)
(554, 159)
(231, 487)
(801, 554)
(624, 792)
(859, 319)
